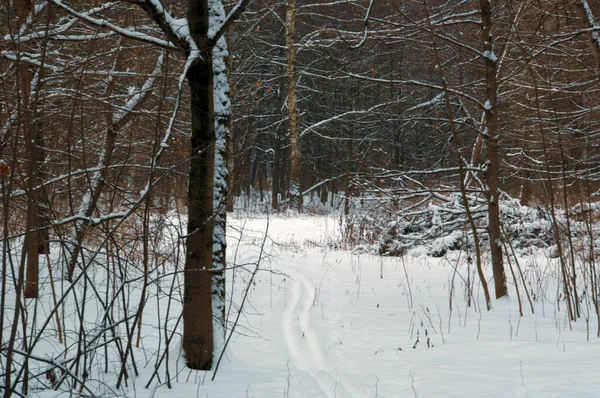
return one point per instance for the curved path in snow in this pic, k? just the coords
(303, 342)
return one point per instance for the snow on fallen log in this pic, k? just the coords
(436, 225)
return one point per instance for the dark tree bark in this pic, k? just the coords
(32, 236)
(493, 171)
(292, 104)
(279, 140)
(197, 307)
(276, 170)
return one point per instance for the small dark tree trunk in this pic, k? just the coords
(278, 165)
(324, 194)
(261, 185)
(276, 171)
(31, 241)
(41, 199)
(347, 202)
(493, 171)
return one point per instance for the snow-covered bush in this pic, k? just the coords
(440, 224)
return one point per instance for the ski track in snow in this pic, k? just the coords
(302, 340)
(330, 324)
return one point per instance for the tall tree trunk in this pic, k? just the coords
(278, 162)
(229, 141)
(198, 339)
(41, 198)
(30, 130)
(493, 170)
(222, 117)
(31, 242)
(292, 99)
(39, 206)
(349, 160)
(461, 171)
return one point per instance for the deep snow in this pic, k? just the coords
(320, 322)
(333, 324)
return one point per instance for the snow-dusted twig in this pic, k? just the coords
(104, 23)
(366, 31)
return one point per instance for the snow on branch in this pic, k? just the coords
(317, 185)
(6, 127)
(30, 59)
(76, 174)
(366, 32)
(139, 95)
(90, 199)
(215, 34)
(103, 23)
(176, 29)
(91, 220)
(417, 83)
(36, 10)
(312, 128)
(55, 31)
(592, 22)
(432, 102)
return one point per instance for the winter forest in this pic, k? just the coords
(299, 198)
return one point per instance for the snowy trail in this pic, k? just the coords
(303, 342)
(323, 323)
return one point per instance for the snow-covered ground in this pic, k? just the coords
(328, 323)
(320, 322)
